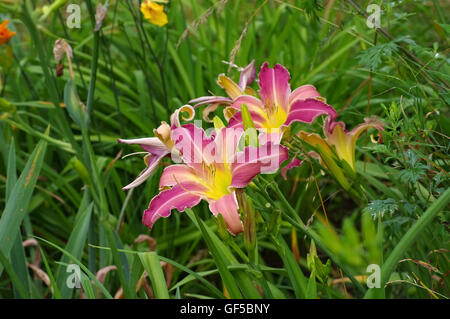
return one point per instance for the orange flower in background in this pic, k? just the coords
(5, 33)
(154, 12)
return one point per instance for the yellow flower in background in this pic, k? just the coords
(5, 33)
(154, 12)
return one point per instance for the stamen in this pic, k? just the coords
(131, 154)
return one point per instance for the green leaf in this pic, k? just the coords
(12, 274)
(311, 289)
(19, 199)
(152, 265)
(298, 280)
(18, 259)
(120, 261)
(87, 286)
(73, 104)
(377, 208)
(50, 275)
(372, 57)
(407, 240)
(316, 266)
(222, 261)
(78, 262)
(75, 246)
(224, 258)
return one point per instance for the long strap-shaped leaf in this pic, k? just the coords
(75, 246)
(151, 263)
(19, 199)
(407, 240)
(17, 254)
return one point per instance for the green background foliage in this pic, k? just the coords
(62, 172)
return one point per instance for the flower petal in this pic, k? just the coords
(154, 13)
(233, 90)
(303, 92)
(271, 155)
(194, 145)
(295, 162)
(207, 110)
(254, 105)
(163, 134)
(5, 33)
(175, 117)
(227, 141)
(178, 174)
(342, 141)
(228, 112)
(275, 88)
(307, 110)
(179, 197)
(152, 162)
(248, 75)
(329, 125)
(204, 100)
(369, 122)
(345, 142)
(236, 120)
(253, 161)
(228, 207)
(152, 145)
(314, 139)
(245, 167)
(273, 135)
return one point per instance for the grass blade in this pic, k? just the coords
(407, 240)
(75, 246)
(17, 204)
(151, 264)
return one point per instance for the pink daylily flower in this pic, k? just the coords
(212, 170)
(157, 147)
(338, 144)
(338, 140)
(278, 107)
(232, 89)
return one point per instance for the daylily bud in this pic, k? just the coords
(246, 206)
